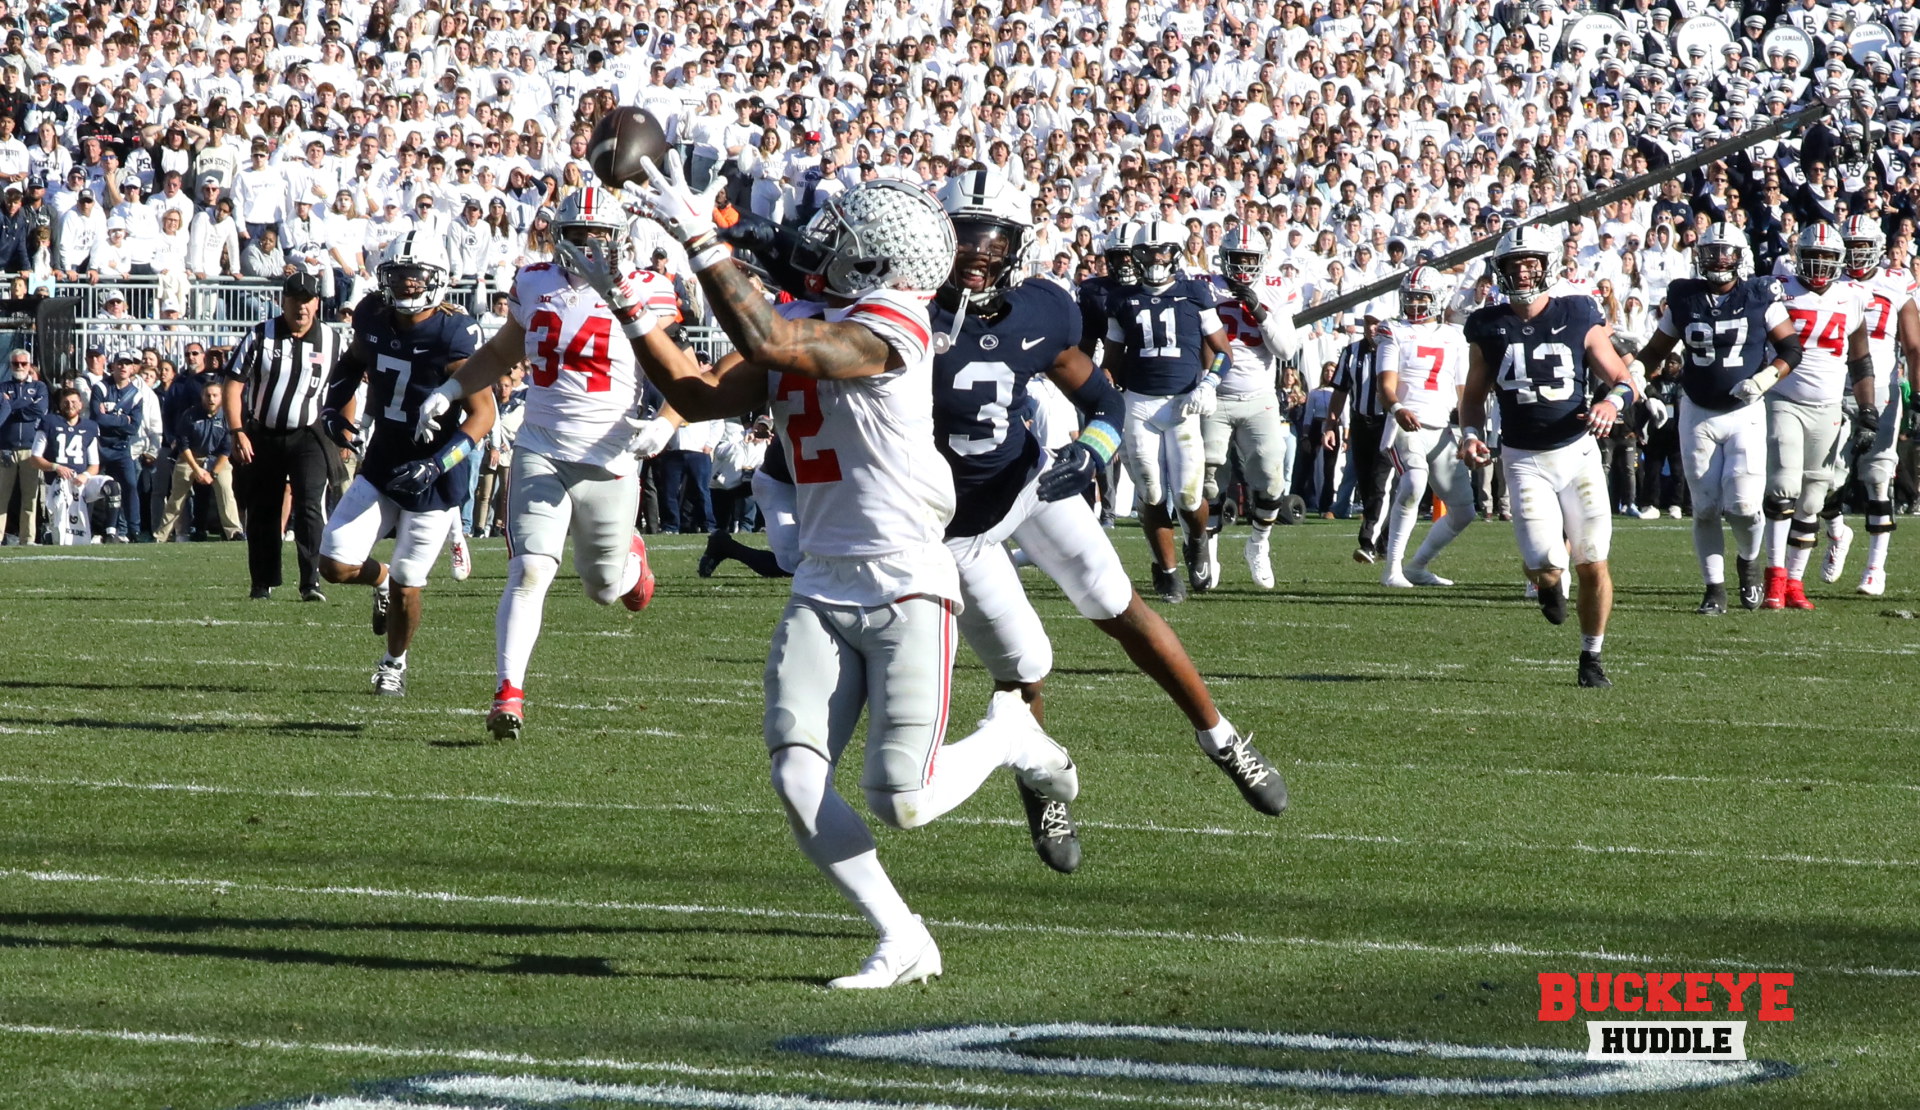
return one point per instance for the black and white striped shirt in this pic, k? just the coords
(285, 375)
(1357, 374)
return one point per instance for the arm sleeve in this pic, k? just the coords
(1097, 399)
(1776, 315)
(1666, 327)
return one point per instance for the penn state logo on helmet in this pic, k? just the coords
(1819, 255)
(1243, 255)
(882, 234)
(416, 271)
(1156, 250)
(1523, 284)
(992, 234)
(1866, 243)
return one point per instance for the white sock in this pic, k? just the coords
(1834, 525)
(1710, 546)
(1592, 643)
(516, 624)
(961, 767)
(1443, 532)
(1214, 740)
(399, 660)
(1260, 531)
(1797, 562)
(1401, 517)
(385, 579)
(1777, 542)
(1877, 550)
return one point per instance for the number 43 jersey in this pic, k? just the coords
(1723, 336)
(406, 364)
(1540, 369)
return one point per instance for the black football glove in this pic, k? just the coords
(1073, 469)
(337, 427)
(1866, 429)
(415, 478)
(1243, 293)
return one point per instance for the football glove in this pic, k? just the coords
(1866, 429)
(1073, 469)
(1244, 293)
(1658, 412)
(337, 427)
(427, 424)
(1203, 400)
(415, 478)
(653, 437)
(666, 196)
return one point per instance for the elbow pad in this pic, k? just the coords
(1100, 401)
(1789, 350)
(1859, 369)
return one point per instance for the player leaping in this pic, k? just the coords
(1542, 353)
(407, 341)
(1423, 361)
(575, 465)
(1000, 337)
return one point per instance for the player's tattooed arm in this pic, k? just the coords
(733, 387)
(809, 348)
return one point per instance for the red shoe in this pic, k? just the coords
(637, 598)
(1796, 597)
(1776, 589)
(509, 713)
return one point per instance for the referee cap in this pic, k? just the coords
(301, 284)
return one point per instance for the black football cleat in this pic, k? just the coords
(1753, 585)
(1260, 784)
(1553, 602)
(711, 558)
(1592, 674)
(1199, 570)
(1714, 604)
(1055, 839)
(1169, 585)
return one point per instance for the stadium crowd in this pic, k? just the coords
(169, 146)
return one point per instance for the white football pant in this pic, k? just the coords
(1723, 455)
(1430, 455)
(364, 515)
(1165, 452)
(1559, 498)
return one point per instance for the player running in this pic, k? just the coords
(1803, 407)
(871, 620)
(1423, 365)
(1542, 353)
(1893, 323)
(1256, 310)
(1166, 347)
(1724, 325)
(999, 338)
(576, 461)
(407, 341)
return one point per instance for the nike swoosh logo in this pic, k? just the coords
(1557, 331)
(1030, 344)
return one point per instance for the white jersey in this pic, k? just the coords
(1889, 288)
(872, 492)
(1253, 351)
(1431, 360)
(1825, 322)
(583, 387)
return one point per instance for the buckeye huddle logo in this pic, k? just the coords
(1762, 994)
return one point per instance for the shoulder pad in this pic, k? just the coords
(1770, 288)
(452, 309)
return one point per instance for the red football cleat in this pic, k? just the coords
(1796, 595)
(509, 713)
(637, 598)
(1776, 588)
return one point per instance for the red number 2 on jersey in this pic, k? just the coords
(803, 424)
(1832, 338)
(1437, 357)
(588, 353)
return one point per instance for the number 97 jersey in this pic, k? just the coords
(1431, 360)
(1540, 369)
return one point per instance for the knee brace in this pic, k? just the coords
(1778, 508)
(1801, 533)
(1266, 510)
(1833, 507)
(1880, 517)
(1216, 518)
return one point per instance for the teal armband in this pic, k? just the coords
(1620, 394)
(456, 450)
(1218, 364)
(1103, 438)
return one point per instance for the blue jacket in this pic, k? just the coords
(15, 254)
(117, 410)
(23, 405)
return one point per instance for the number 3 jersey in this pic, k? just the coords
(583, 386)
(1723, 336)
(1825, 321)
(1541, 369)
(1431, 360)
(980, 397)
(405, 364)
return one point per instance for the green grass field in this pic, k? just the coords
(232, 878)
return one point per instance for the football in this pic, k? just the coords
(622, 140)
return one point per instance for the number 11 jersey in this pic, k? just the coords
(1540, 369)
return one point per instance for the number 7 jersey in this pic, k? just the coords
(1431, 360)
(1540, 369)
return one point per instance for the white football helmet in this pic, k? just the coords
(1819, 255)
(1524, 241)
(1118, 251)
(1243, 255)
(590, 232)
(1718, 254)
(984, 207)
(883, 234)
(1866, 244)
(415, 274)
(1156, 250)
(1421, 293)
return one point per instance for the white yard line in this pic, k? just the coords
(448, 897)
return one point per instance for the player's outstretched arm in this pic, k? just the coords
(821, 349)
(733, 387)
(1907, 331)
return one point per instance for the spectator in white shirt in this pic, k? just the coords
(81, 230)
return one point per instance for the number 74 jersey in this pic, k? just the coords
(1431, 360)
(1826, 320)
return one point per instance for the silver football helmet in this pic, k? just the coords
(992, 234)
(1523, 242)
(1156, 250)
(1422, 293)
(1719, 253)
(590, 233)
(1243, 255)
(881, 234)
(1866, 244)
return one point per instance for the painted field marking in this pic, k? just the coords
(448, 897)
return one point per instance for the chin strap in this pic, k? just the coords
(959, 318)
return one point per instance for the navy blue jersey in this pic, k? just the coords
(1096, 295)
(1723, 338)
(981, 406)
(1160, 336)
(75, 445)
(404, 364)
(1539, 368)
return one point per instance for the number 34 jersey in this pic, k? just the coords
(583, 383)
(1431, 360)
(1540, 369)
(1826, 321)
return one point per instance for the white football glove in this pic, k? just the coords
(673, 204)
(1751, 389)
(427, 424)
(1203, 400)
(653, 437)
(1658, 411)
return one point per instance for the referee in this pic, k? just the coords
(1356, 391)
(275, 381)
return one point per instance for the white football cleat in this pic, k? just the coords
(1838, 544)
(1874, 582)
(1673, 512)
(913, 958)
(1041, 763)
(1259, 558)
(1421, 576)
(1395, 579)
(1533, 591)
(462, 555)
(1648, 513)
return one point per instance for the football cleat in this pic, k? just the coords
(381, 599)
(311, 593)
(462, 556)
(1753, 590)
(1365, 554)
(260, 593)
(1776, 595)
(913, 958)
(637, 598)
(509, 713)
(1553, 601)
(1395, 578)
(1199, 577)
(1715, 603)
(1874, 582)
(1260, 557)
(1795, 596)
(710, 559)
(390, 679)
(1169, 585)
(1838, 544)
(1673, 512)
(1421, 576)
(1259, 782)
(1648, 513)
(1055, 838)
(1592, 674)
